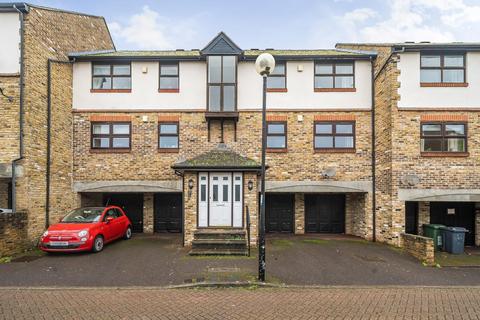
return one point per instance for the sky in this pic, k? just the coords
(280, 24)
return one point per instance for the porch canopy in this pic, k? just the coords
(219, 159)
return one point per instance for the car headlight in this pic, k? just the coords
(83, 233)
(45, 234)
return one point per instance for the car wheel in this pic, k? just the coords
(128, 233)
(98, 244)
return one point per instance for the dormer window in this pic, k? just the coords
(222, 83)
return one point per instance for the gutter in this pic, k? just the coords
(49, 136)
(21, 109)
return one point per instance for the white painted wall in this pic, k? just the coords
(414, 96)
(192, 93)
(144, 93)
(300, 86)
(10, 42)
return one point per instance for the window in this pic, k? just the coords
(111, 135)
(442, 68)
(277, 80)
(110, 214)
(222, 81)
(118, 213)
(334, 135)
(334, 75)
(168, 135)
(443, 137)
(111, 76)
(277, 135)
(169, 76)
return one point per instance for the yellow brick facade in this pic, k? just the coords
(48, 34)
(144, 162)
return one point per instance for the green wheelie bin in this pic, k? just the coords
(434, 231)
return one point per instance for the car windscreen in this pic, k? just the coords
(83, 215)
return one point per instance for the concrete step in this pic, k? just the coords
(223, 252)
(219, 245)
(220, 241)
(225, 234)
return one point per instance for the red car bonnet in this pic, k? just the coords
(71, 226)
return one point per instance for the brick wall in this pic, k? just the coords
(51, 34)
(13, 233)
(299, 213)
(419, 247)
(251, 201)
(9, 113)
(423, 215)
(299, 163)
(358, 215)
(4, 193)
(148, 212)
(190, 207)
(144, 162)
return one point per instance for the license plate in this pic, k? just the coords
(59, 243)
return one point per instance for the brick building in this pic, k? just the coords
(174, 137)
(32, 36)
(427, 137)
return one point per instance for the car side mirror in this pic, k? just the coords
(109, 219)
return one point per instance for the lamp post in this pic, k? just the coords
(264, 65)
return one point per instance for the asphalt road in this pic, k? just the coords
(162, 261)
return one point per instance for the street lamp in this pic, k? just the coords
(264, 65)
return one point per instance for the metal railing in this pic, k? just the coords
(248, 231)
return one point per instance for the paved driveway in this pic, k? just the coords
(302, 260)
(325, 303)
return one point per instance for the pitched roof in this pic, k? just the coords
(195, 54)
(220, 158)
(221, 44)
(423, 45)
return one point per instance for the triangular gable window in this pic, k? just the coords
(221, 44)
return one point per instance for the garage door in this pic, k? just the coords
(279, 213)
(131, 203)
(168, 212)
(325, 213)
(455, 214)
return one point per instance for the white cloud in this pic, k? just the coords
(412, 20)
(149, 30)
(359, 15)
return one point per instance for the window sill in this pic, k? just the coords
(169, 90)
(110, 150)
(335, 150)
(276, 150)
(277, 90)
(443, 84)
(168, 150)
(335, 89)
(445, 154)
(110, 90)
(221, 115)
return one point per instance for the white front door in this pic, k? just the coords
(220, 198)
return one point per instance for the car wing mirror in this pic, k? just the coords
(109, 219)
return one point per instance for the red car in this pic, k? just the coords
(86, 229)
